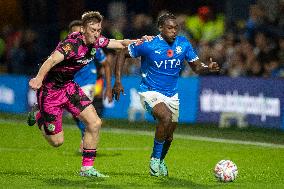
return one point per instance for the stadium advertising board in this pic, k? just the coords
(129, 106)
(260, 101)
(13, 93)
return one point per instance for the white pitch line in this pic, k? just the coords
(198, 138)
(180, 136)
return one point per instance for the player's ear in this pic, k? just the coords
(83, 30)
(160, 28)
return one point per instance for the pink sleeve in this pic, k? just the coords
(67, 48)
(102, 42)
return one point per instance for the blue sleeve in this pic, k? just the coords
(137, 49)
(100, 55)
(190, 55)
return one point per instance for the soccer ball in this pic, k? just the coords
(226, 171)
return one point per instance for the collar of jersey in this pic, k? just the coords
(160, 37)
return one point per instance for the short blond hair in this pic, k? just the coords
(91, 16)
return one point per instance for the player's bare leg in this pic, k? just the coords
(168, 138)
(164, 116)
(54, 140)
(166, 146)
(93, 124)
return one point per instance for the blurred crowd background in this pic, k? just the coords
(246, 37)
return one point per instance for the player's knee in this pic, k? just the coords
(166, 119)
(57, 142)
(98, 123)
(95, 125)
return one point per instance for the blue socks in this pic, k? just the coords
(157, 149)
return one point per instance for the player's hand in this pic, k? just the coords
(213, 66)
(117, 89)
(35, 83)
(108, 94)
(147, 38)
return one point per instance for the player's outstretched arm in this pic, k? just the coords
(108, 92)
(115, 44)
(202, 68)
(55, 58)
(118, 88)
(120, 44)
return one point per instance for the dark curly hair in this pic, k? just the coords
(162, 19)
(75, 23)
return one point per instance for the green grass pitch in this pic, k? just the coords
(27, 161)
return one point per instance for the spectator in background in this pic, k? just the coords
(181, 21)
(2, 50)
(255, 69)
(107, 27)
(281, 50)
(16, 54)
(271, 67)
(255, 21)
(205, 26)
(141, 24)
(236, 66)
(264, 50)
(219, 52)
(118, 27)
(247, 52)
(24, 53)
(32, 51)
(270, 8)
(280, 17)
(279, 72)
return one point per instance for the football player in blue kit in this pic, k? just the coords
(161, 63)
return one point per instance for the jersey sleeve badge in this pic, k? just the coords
(102, 41)
(67, 48)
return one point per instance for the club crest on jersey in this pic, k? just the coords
(178, 49)
(170, 53)
(93, 51)
(67, 47)
(51, 127)
(101, 41)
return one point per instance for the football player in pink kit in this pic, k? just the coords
(57, 90)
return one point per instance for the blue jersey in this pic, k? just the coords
(88, 74)
(161, 63)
